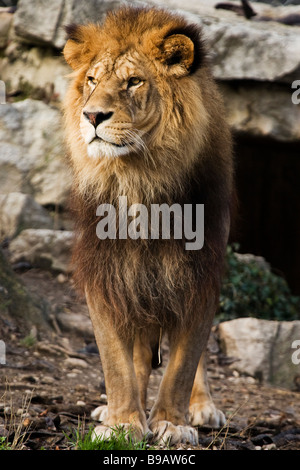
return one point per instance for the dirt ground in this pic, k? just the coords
(52, 380)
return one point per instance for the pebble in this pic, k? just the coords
(75, 362)
(62, 278)
(47, 380)
(250, 380)
(71, 375)
(21, 412)
(270, 446)
(80, 403)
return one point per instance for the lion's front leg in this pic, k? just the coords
(123, 398)
(202, 409)
(169, 418)
(145, 345)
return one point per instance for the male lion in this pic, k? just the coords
(144, 120)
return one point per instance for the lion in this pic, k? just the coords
(144, 120)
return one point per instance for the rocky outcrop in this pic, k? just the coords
(20, 211)
(262, 110)
(262, 349)
(43, 248)
(32, 152)
(6, 20)
(42, 22)
(18, 308)
(255, 61)
(237, 43)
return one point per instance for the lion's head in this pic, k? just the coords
(135, 96)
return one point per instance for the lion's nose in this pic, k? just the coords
(97, 117)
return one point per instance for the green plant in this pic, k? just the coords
(29, 341)
(250, 289)
(120, 439)
(4, 444)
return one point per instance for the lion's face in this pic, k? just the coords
(118, 115)
(132, 84)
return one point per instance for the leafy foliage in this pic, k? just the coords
(251, 290)
(4, 444)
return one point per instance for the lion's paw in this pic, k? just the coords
(100, 413)
(206, 413)
(167, 433)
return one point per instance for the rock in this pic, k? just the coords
(18, 308)
(35, 69)
(20, 211)
(32, 152)
(43, 248)
(75, 362)
(37, 21)
(262, 348)
(77, 323)
(41, 22)
(5, 24)
(251, 109)
(80, 403)
(250, 258)
(236, 42)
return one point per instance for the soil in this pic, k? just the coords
(52, 380)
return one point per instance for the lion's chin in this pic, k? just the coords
(100, 149)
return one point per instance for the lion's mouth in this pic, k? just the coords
(99, 139)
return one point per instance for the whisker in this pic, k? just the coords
(139, 143)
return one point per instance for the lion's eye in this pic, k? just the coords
(91, 80)
(134, 81)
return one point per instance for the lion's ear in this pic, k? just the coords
(178, 54)
(73, 48)
(79, 47)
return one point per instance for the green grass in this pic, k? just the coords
(120, 439)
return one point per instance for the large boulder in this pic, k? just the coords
(20, 211)
(43, 248)
(6, 20)
(262, 349)
(19, 310)
(32, 152)
(35, 70)
(253, 110)
(42, 22)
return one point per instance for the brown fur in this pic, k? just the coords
(186, 157)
